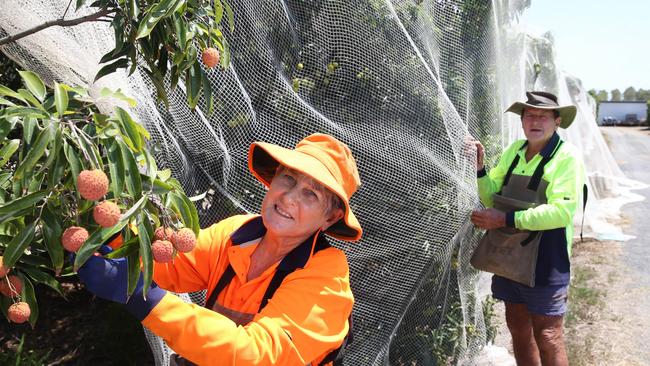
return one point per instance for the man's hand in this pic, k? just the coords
(473, 145)
(488, 218)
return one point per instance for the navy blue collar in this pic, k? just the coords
(297, 258)
(551, 145)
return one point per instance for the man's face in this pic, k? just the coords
(539, 124)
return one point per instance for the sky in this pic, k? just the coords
(606, 44)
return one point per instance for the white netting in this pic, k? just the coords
(402, 83)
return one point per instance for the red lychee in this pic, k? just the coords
(19, 312)
(163, 233)
(3, 270)
(92, 184)
(106, 214)
(210, 57)
(73, 238)
(163, 251)
(184, 240)
(11, 286)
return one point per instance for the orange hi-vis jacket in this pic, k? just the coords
(305, 319)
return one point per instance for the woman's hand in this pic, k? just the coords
(472, 144)
(488, 218)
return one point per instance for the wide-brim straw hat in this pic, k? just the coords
(543, 100)
(321, 157)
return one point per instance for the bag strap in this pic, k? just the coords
(512, 167)
(536, 178)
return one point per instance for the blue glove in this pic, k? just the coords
(107, 278)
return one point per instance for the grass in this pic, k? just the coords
(584, 303)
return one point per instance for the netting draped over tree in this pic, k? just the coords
(401, 82)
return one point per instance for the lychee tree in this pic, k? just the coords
(165, 38)
(74, 178)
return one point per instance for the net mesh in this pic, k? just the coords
(402, 83)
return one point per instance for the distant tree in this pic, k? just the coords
(593, 93)
(616, 95)
(643, 94)
(629, 94)
(602, 95)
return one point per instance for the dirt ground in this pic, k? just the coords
(80, 331)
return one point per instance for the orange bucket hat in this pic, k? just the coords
(321, 157)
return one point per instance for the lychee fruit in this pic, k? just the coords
(106, 214)
(3, 270)
(163, 233)
(184, 240)
(19, 312)
(163, 251)
(92, 184)
(210, 57)
(11, 286)
(73, 238)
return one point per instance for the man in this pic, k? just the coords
(536, 185)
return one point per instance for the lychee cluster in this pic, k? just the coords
(166, 241)
(210, 57)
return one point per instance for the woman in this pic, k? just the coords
(278, 293)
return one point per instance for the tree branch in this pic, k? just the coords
(59, 22)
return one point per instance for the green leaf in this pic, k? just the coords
(131, 129)
(60, 99)
(8, 150)
(76, 166)
(116, 169)
(181, 33)
(35, 152)
(30, 98)
(99, 237)
(3, 101)
(18, 244)
(193, 81)
(144, 234)
(4, 91)
(218, 11)
(225, 56)
(57, 171)
(133, 181)
(5, 127)
(80, 3)
(52, 232)
(163, 9)
(43, 278)
(127, 248)
(207, 92)
(186, 210)
(12, 209)
(164, 174)
(110, 68)
(29, 296)
(26, 112)
(134, 11)
(115, 53)
(34, 84)
(231, 16)
(152, 168)
(133, 274)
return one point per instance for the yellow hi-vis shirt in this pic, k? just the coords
(303, 321)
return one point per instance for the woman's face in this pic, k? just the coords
(296, 206)
(539, 124)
